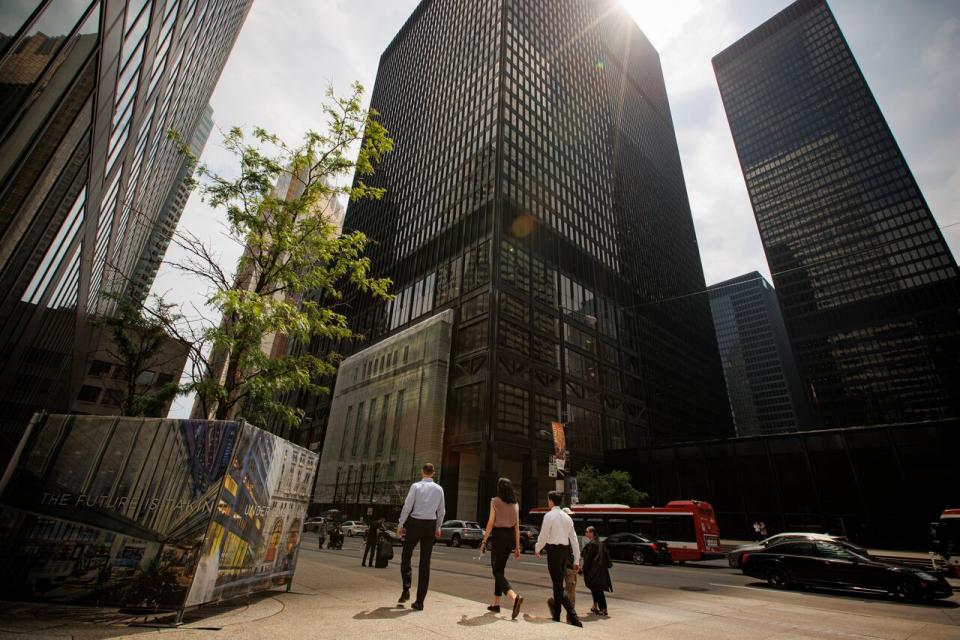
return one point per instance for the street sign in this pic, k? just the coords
(552, 467)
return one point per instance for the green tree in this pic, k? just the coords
(295, 265)
(137, 343)
(594, 487)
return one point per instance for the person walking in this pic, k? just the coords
(322, 532)
(569, 574)
(504, 526)
(371, 538)
(558, 537)
(596, 571)
(420, 520)
(756, 531)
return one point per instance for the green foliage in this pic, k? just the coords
(295, 265)
(609, 488)
(138, 340)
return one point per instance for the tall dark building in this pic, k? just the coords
(88, 92)
(869, 289)
(762, 380)
(535, 190)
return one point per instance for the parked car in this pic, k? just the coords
(313, 524)
(353, 528)
(528, 537)
(391, 530)
(637, 549)
(733, 557)
(460, 532)
(841, 565)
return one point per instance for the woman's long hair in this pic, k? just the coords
(505, 491)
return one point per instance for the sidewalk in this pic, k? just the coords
(332, 600)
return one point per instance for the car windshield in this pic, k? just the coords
(858, 550)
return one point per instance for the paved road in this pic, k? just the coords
(463, 573)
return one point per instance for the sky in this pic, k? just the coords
(290, 51)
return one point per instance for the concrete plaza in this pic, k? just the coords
(333, 597)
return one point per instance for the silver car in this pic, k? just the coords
(461, 532)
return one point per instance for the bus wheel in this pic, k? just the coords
(639, 558)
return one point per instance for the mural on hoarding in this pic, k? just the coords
(119, 511)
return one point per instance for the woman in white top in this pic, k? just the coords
(504, 525)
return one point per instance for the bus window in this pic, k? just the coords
(579, 524)
(643, 526)
(677, 528)
(616, 525)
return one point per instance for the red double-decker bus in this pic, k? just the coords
(689, 527)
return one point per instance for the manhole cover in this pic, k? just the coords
(693, 589)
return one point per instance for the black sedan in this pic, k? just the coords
(840, 565)
(734, 556)
(637, 549)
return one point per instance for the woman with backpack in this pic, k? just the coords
(596, 571)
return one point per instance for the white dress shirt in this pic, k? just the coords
(558, 529)
(424, 502)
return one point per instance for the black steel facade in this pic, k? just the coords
(536, 190)
(88, 91)
(869, 289)
(881, 485)
(762, 380)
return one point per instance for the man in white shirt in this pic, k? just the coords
(420, 519)
(559, 538)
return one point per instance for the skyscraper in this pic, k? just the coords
(88, 91)
(535, 190)
(869, 289)
(762, 380)
(155, 248)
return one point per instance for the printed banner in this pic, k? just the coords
(119, 511)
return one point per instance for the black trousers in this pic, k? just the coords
(600, 598)
(503, 539)
(556, 559)
(423, 533)
(371, 550)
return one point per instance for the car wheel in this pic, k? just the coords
(778, 578)
(905, 591)
(639, 558)
(455, 540)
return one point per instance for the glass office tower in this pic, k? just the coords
(869, 289)
(536, 190)
(88, 91)
(762, 380)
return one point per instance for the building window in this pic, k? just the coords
(100, 368)
(513, 406)
(89, 393)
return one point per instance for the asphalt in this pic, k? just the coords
(333, 597)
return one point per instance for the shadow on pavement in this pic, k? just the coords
(383, 613)
(479, 621)
(536, 619)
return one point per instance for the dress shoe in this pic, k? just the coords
(419, 606)
(554, 610)
(574, 620)
(404, 596)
